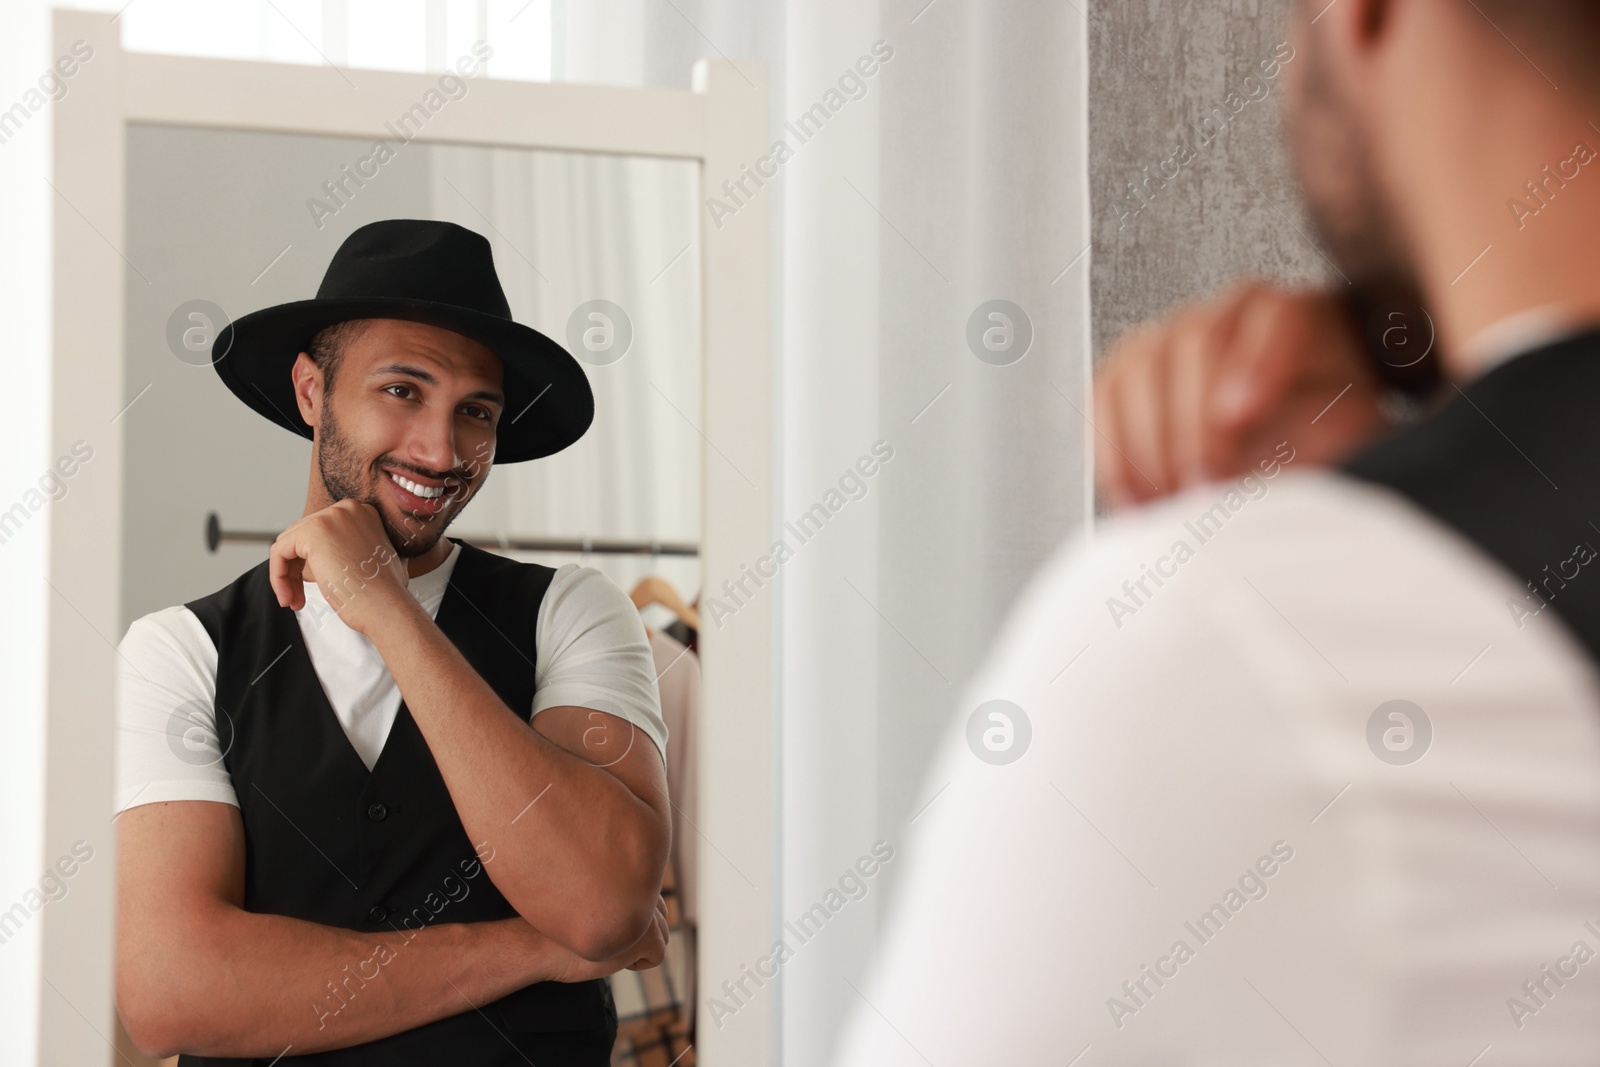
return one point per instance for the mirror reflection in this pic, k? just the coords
(316, 345)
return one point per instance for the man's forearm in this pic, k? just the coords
(264, 985)
(580, 854)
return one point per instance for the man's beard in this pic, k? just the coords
(1351, 213)
(342, 471)
(1343, 193)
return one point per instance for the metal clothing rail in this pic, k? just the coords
(216, 535)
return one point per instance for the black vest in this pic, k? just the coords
(1512, 462)
(330, 842)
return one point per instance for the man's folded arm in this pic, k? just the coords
(575, 809)
(199, 974)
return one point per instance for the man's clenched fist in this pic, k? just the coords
(346, 551)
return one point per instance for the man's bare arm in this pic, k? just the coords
(575, 807)
(582, 836)
(196, 973)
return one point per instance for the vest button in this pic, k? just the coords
(377, 812)
(378, 913)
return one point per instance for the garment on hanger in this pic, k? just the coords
(685, 634)
(655, 1008)
(678, 677)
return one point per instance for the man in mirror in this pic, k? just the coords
(387, 797)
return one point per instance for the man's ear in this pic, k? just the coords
(1350, 35)
(1361, 22)
(1371, 19)
(307, 377)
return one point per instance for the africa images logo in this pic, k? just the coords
(999, 732)
(1399, 732)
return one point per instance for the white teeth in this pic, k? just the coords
(427, 492)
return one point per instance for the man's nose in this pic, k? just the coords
(432, 441)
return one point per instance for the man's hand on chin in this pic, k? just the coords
(346, 551)
(1208, 391)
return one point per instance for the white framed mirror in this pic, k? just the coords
(600, 190)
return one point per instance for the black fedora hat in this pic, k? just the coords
(422, 271)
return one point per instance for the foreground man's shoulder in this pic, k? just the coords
(1248, 802)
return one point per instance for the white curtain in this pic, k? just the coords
(964, 181)
(959, 177)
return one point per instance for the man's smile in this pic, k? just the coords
(423, 496)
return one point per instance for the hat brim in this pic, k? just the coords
(549, 404)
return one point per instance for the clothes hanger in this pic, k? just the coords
(654, 589)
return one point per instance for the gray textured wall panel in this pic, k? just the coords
(1157, 67)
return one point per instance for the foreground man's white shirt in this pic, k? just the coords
(1224, 721)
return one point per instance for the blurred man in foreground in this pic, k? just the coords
(1302, 765)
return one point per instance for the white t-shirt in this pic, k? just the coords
(592, 652)
(1218, 747)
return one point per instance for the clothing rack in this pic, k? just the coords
(216, 535)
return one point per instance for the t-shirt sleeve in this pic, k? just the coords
(167, 739)
(593, 652)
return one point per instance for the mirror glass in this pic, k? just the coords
(599, 252)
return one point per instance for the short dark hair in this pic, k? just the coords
(328, 344)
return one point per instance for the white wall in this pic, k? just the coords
(24, 442)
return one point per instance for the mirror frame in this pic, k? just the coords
(721, 124)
